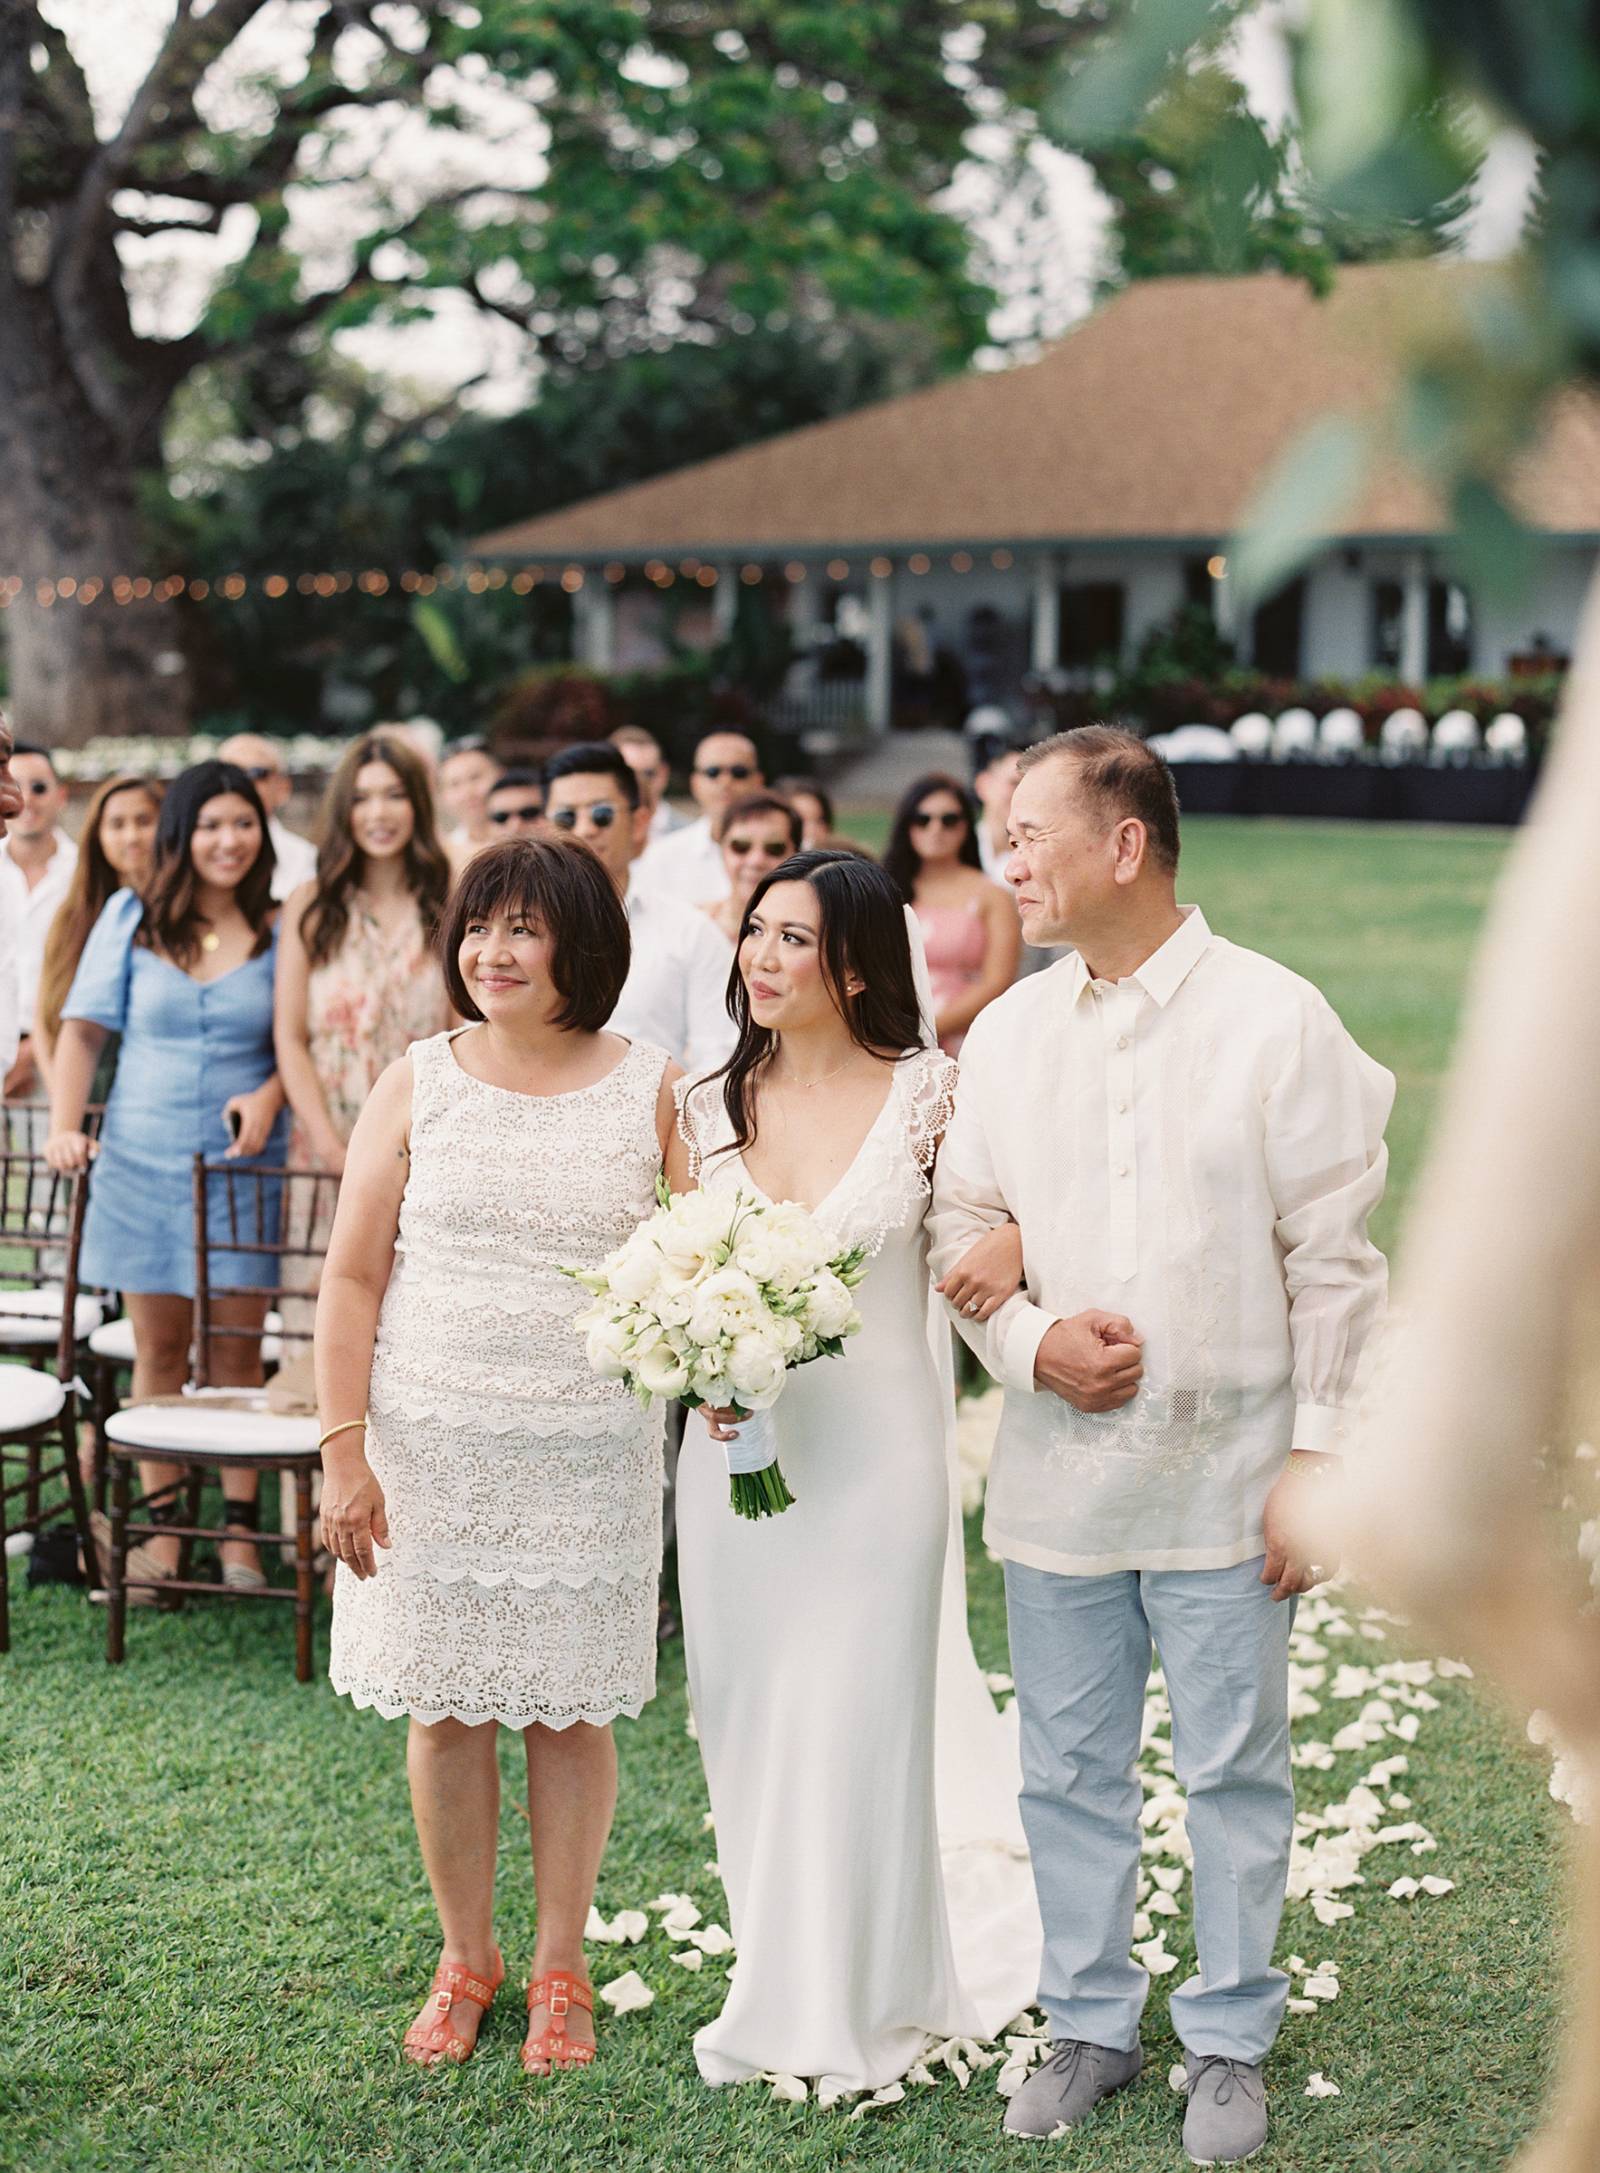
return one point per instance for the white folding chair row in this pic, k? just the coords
(1195, 743)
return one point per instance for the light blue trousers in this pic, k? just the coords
(1080, 1653)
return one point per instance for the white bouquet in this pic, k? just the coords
(713, 1301)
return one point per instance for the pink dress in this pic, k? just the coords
(957, 943)
(365, 1006)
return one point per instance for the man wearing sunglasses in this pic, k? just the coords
(262, 761)
(36, 864)
(688, 864)
(515, 806)
(676, 991)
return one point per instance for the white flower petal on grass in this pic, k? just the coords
(1454, 1667)
(626, 1994)
(1302, 2006)
(1328, 1911)
(712, 1939)
(708, 1823)
(1177, 2076)
(1011, 2078)
(1169, 1877)
(690, 1958)
(1398, 1802)
(1152, 1955)
(918, 2072)
(664, 1904)
(712, 1869)
(1407, 1727)
(1164, 1904)
(1321, 1986)
(787, 2089)
(1143, 1926)
(681, 1919)
(1438, 1886)
(891, 2095)
(999, 1684)
(829, 2093)
(1319, 2086)
(1403, 1889)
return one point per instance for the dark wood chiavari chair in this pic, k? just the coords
(41, 1228)
(268, 1219)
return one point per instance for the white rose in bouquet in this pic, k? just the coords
(780, 1248)
(633, 1269)
(830, 1310)
(727, 1303)
(756, 1368)
(607, 1343)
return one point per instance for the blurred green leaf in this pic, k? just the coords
(1298, 505)
(1106, 97)
(1491, 550)
(440, 638)
(1361, 69)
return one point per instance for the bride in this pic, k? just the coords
(820, 1642)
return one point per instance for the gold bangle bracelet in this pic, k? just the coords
(344, 1429)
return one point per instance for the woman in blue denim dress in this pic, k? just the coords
(184, 974)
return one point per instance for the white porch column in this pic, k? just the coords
(724, 602)
(594, 622)
(1414, 621)
(803, 623)
(1046, 612)
(1224, 616)
(880, 651)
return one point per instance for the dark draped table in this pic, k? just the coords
(1355, 791)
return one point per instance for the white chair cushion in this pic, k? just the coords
(34, 1316)
(27, 1399)
(115, 1341)
(1195, 743)
(1252, 733)
(198, 1424)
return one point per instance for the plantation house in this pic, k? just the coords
(1044, 519)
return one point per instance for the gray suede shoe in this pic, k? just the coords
(1226, 2118)
(1069, 2086)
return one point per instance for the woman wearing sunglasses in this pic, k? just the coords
(969, 925)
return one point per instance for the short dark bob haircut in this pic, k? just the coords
(565, 889)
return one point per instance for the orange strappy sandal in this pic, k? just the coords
(553, 2048)
(431, 2043)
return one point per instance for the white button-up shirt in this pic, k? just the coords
(677, 986)
(686, 864)
(11, 932)
(296, 859)
(1198, 1147)
(34, 910)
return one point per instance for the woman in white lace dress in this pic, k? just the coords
(494, 1506)
(813, 1639)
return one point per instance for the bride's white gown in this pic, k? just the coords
(820, 1644)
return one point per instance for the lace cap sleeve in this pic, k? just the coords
(699, 1101)
(930, 1089)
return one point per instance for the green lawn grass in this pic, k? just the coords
(213, 1924)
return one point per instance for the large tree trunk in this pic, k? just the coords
(67, 508)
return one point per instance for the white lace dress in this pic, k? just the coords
(817, 1658)
(523, 1492)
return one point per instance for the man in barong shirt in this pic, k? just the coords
(1191, 1144)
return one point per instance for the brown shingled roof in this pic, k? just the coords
(1155, 418)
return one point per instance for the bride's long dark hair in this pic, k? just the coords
(863, 932)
